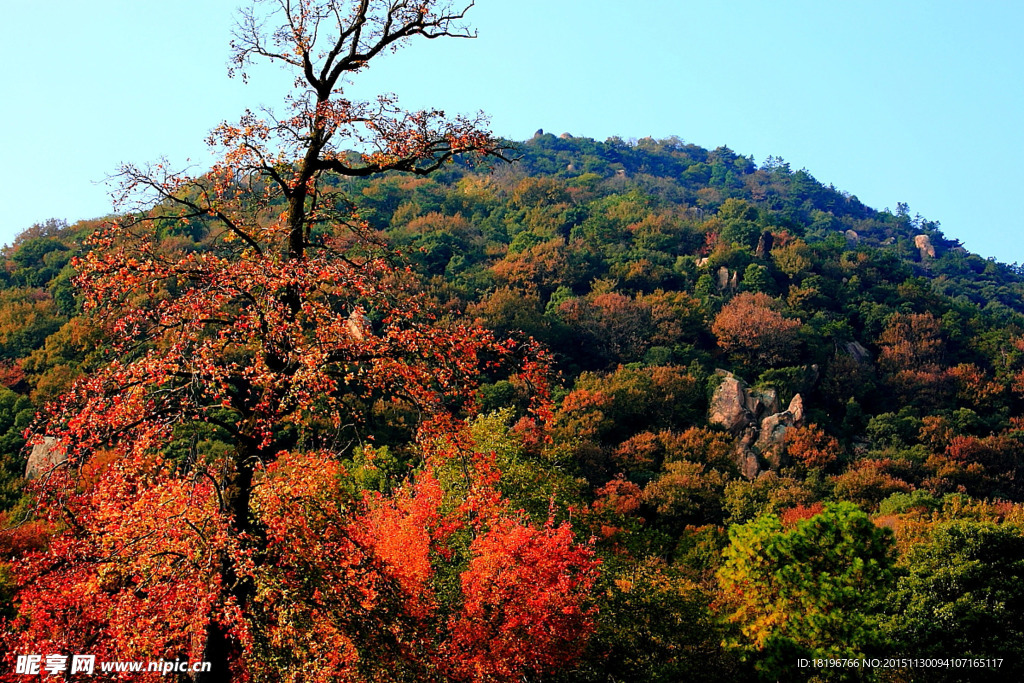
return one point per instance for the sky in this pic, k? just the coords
(893, 101)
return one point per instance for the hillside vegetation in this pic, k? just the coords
(793, 424)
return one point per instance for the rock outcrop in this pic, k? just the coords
(771, 438)
(44, 457)
(924, 246)
(728, 280)
(729, 404)
(857, 351)
(755, 418)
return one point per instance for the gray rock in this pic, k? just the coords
(771, 439)
(44, 457)
(857, 350)
(745, 457)
(755, 418)
(766, 401)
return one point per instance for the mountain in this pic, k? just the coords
(739, 346)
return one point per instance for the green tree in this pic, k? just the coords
(812, 590)
(963, 593)
(756, 278)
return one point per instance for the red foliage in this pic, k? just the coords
(18, 538)
(194, 518)
(790, 516)
(519, 591)
(11, 374)
(532, 435)
(997, 453)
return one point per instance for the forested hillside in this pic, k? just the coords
(791, 424)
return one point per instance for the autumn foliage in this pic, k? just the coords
(751, 327)
(332, 415)
(204, 511)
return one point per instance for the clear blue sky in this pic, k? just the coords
(914, 101)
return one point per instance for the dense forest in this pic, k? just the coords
(792, 425)
(455, 408)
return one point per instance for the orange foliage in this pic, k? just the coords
(946, 475)
(696, 444)
(869, 482)
(11, 374)
(208, 527)
(790, 516)
(935, 431)
(539, 269)
(618, 497)
(751, 328)
(911, 341)
(973, 386)
(812, 447)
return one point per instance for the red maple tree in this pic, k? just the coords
(204, 511)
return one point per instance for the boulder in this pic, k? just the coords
(924, 246)
(772, 433)
(771, 438)
(755, 418)
(357, 325)
(723, 277)
(796, 409)
(763, 401)
(745, 456)
(729, 404)
(857, 351)
(45, 455)
(852, 238)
